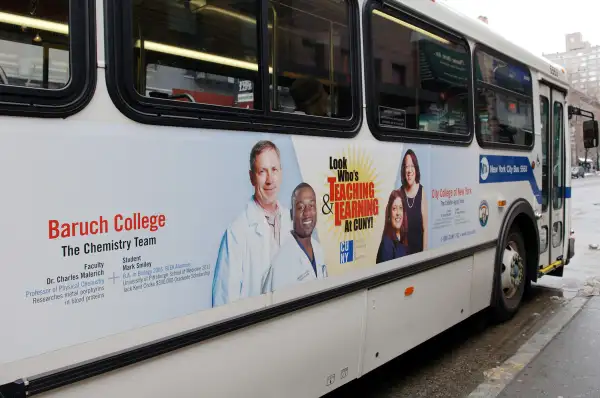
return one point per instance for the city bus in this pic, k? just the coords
(401, 168)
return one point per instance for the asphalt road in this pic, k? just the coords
(454, 363)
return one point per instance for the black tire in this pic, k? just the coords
(506, 302)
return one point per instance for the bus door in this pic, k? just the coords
(551, 222)
(557, 187)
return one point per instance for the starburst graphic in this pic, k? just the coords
(357, 160)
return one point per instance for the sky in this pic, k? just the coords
(537, 25)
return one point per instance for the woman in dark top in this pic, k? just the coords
(416, 203)
(393, 240)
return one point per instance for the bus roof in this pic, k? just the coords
(480, 32)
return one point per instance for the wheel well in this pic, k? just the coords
(530, 236)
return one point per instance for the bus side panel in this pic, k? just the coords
(304, 354)
(482, 281)
(397, 322)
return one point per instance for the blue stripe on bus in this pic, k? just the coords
(497, 169)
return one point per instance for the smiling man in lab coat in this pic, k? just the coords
(301, 258)
(255, 236)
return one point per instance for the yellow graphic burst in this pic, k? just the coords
(357, 160)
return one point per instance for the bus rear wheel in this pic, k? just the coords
(511, 277)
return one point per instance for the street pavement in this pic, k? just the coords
(464, 358)
(569, 365)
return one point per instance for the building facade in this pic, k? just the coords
(582, 62)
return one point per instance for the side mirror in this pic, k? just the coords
(590, 134)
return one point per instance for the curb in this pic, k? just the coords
(499, 377)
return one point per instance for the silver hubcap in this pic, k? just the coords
(513, 270)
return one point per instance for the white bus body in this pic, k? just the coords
(129, 304)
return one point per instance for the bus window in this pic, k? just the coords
(195, 52)
(545, 119)
(420, 77)
(557, 157)
(504, 102)
(34, 43)
(310, 54)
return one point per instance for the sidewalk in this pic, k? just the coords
(569, 366)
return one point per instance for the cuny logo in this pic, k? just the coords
(346, 251)
(484, 168)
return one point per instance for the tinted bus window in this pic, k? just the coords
(504, 119)
(310, 55)
(187, 51)
(209, 54)
(497, 72)
(545, 119)
(420, 78)
(34, 43)
(557, 158)
(503, 102)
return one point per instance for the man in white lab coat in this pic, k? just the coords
(301, 258)
(252, 240)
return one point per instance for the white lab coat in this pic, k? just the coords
(291, 265)
(245, 254)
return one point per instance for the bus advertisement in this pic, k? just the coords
(264, 198)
